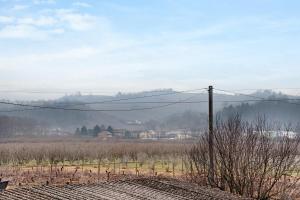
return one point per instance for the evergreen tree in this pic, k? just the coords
(96, 130)
(77, 132)
(84, 131)
(110, 129)
(90, 132)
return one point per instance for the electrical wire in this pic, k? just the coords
(262, 89)
(106, 93)
(162, 102)
(63, 92)
(168, 103)
(35, 107)
(256, 97)
(138, 97)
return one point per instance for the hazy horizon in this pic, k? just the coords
(113, 46)
(49, 95)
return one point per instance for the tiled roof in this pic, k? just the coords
(126, 190)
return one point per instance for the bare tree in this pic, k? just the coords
(251, 159)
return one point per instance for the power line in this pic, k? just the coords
(168, 103)
(138, 97)
(261, 89)
(65, 92)
(204, 101)
(132, 98)
(77, 109)
(56, 92)
(162, 102)
(99, 92)
(106, 101)
(34, 107)
(18, 110)
(256, 97)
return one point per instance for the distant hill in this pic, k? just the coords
(280, 109)
(178, 115)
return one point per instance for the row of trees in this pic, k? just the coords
(248, 159)
(188, 120)
(87, 152)
(11, 126)
(84, 131)
(281, 111)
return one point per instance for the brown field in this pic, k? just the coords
(38, 161)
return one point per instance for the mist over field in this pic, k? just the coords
(190, 115)
(157, 99)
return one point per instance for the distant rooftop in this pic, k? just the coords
(135, 189)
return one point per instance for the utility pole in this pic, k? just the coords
(210, 136)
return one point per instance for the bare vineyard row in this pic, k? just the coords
(87, 152)
(83, 162)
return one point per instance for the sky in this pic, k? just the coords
(107, 46)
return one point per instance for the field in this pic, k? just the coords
(64, 162)
(68, 160)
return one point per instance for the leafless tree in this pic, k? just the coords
(251, 159)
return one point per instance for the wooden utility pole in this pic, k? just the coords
(210, 136)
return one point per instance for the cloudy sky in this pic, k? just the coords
(132, 45)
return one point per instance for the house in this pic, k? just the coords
(148, 135)
(104, 135)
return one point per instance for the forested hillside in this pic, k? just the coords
(164, 110)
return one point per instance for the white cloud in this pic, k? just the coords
(19, 7)
(57, 31)
(46, 24)
(6, 19)
(24, 31)
(71, 54)
(81, 4)
(38, 2)
(181, 55)
(76, 21)
(40, 59)
(41, 21)
(20, 31)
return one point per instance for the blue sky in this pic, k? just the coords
(122, 45)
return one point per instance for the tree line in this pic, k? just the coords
(94, 132)
(12, 126)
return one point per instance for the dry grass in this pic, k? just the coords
(36, 161)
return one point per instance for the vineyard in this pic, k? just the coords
(53, 162)
(59, 168)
